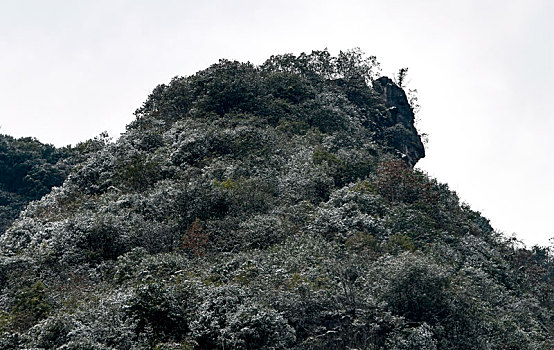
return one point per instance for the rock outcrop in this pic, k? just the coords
(399, 130)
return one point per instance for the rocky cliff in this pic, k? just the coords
(400, 131)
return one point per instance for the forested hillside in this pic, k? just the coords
(267, 207)
(28, 170)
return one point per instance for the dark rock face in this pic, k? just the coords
(399, 130)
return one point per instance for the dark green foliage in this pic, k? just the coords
(11, 205)
(30, 306)
(99, 242)
(137, 173)
(260, 207)
(396, 135)
(157, 310)
(23, 162)
(288, 87)
(227, 86)
(418, 292)
(28, 170)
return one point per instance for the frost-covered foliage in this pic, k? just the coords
(266, 207)
(28, 170)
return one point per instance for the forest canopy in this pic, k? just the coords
(260, 207)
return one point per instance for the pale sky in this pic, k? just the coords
(483, 69)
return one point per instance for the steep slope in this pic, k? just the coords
(267, 207)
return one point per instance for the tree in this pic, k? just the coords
(401, 77)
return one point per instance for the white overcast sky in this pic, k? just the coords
(483, 68)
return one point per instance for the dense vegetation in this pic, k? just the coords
(267, 207)
(28, 170)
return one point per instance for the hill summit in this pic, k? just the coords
(267, 207)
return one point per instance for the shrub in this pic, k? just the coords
(31, 306)
(195, 239)
(396, 182)
(229, 319)
(155, 308)
(398, 243)
(419, 337)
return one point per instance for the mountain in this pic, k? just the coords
(267, 207)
